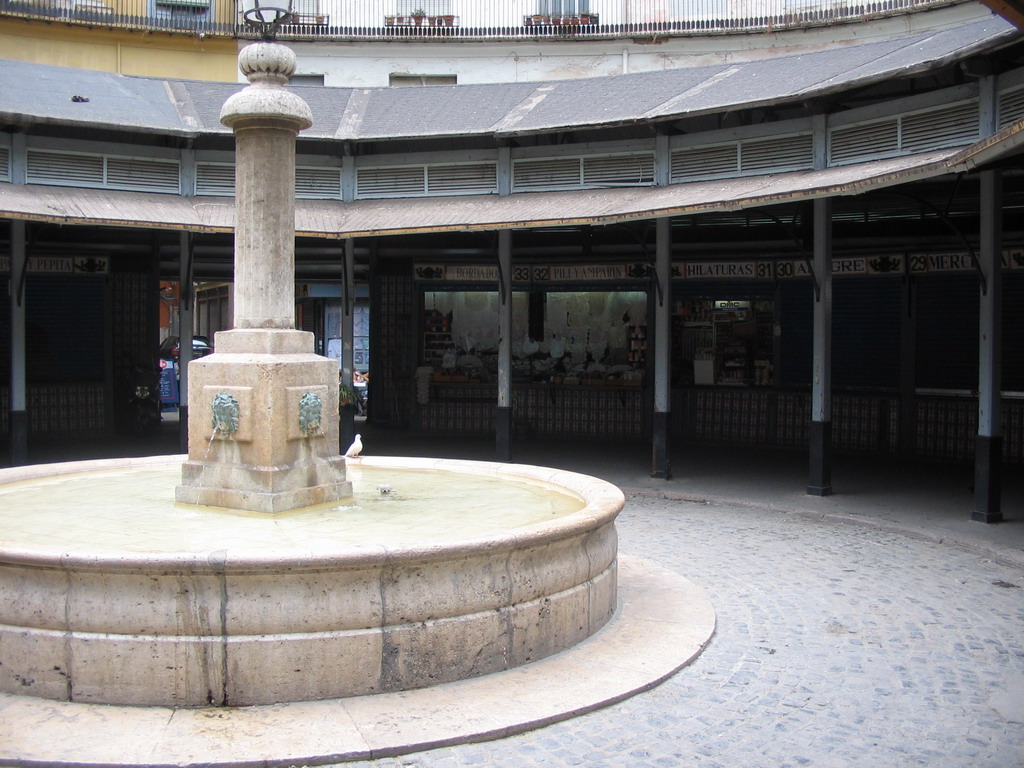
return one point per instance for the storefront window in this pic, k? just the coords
(592, 336)
(725, 342)
(460, 333)
(360, 334)
(561, 337)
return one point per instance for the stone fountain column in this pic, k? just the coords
(263, 426)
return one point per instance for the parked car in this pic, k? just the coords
(171, 347)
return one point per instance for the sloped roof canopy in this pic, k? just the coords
(33, 93)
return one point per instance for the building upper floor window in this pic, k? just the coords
(306, 80)
(428, 7)
(563, 7)
(400, 79)
(308, 12)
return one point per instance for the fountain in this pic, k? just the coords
(256, 586)
(147, 602)
(262, 602)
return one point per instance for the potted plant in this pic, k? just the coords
(418, 15)
(347, 396)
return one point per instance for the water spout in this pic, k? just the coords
(226, 415)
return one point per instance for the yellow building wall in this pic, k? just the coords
(150, 54)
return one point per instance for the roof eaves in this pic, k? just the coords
(319, 218)
(23, 121)
(1004, 142)
(613, 206)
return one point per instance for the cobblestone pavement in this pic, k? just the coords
(837, 645)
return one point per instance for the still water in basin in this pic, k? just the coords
(131, 510)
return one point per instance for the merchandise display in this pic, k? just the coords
(584, 338)
(723, 342)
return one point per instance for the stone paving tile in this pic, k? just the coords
(837, 645)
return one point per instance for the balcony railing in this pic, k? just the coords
(207, 16)
(472, 19)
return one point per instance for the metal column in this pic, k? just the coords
(503, 416)
(988, 446)
(347, 419)
(908, 369)
(660, 464)
(186, 323)
(819, 481)
(18, 413)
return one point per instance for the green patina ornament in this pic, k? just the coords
(310, 413)
(225, 414)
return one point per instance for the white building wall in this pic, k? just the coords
(371, 64)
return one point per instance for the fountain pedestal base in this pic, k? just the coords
(257, 493)
(263, 427)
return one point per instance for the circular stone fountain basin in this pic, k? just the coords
(435, 571)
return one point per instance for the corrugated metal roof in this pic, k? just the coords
(48, 94)
(39, 93)
(319, 218)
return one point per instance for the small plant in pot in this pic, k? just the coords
(418, 15)
(347, 396)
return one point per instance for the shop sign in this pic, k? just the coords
(717, 270)
(471, 273)
(960, 261)
(559, 273)
(731, 306)
(588, 273)
(61, 265)
(787, 268)
(843, 267)
(941, 262)
(868, 265)
(168, 383)
(463, 273)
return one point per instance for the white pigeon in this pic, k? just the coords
(356, 447)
